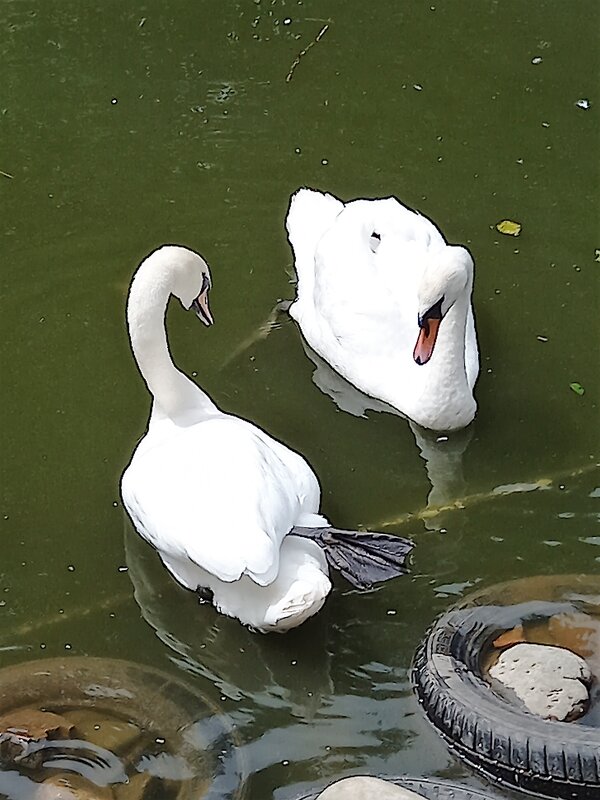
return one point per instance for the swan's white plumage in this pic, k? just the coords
(359, 298)
(215, 495)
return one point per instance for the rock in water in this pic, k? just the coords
(552, 682)
(363, 787)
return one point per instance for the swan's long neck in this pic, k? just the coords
(446, 388)
(175, 395)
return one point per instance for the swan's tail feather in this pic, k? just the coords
(362, 557)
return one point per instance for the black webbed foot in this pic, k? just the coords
(362, 557)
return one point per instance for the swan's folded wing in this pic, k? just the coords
(310, 214)
(218, 495)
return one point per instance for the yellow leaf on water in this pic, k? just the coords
(509, 227)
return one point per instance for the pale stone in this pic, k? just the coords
(362, 787)
(71, 787)
(551, 681)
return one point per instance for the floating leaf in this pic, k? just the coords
(509, 228)
(577, 388)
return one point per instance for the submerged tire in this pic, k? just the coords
(505, 742)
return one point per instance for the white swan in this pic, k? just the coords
(386, 302)
(215, 495)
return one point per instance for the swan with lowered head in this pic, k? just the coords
(386, 302)
(233, 513)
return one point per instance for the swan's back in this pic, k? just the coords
(221, 493)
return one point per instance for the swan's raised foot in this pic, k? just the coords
(362, 557)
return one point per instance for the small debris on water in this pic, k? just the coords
(508, 227)
(577, 388)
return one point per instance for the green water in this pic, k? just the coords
(125, 125)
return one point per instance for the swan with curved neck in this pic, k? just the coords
(232, 512)
(386, 302)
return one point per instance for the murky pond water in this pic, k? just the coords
(125, 125)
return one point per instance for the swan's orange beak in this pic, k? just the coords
(426, 340)
(429, 324)
(201, 309)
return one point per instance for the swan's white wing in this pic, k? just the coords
(220, 493)
(310, 214)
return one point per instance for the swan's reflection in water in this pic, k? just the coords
(254, 670)
(327, 697)
(442, 453)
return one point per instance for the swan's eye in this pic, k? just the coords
(374, 240)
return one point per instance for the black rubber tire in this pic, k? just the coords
(506, 743)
